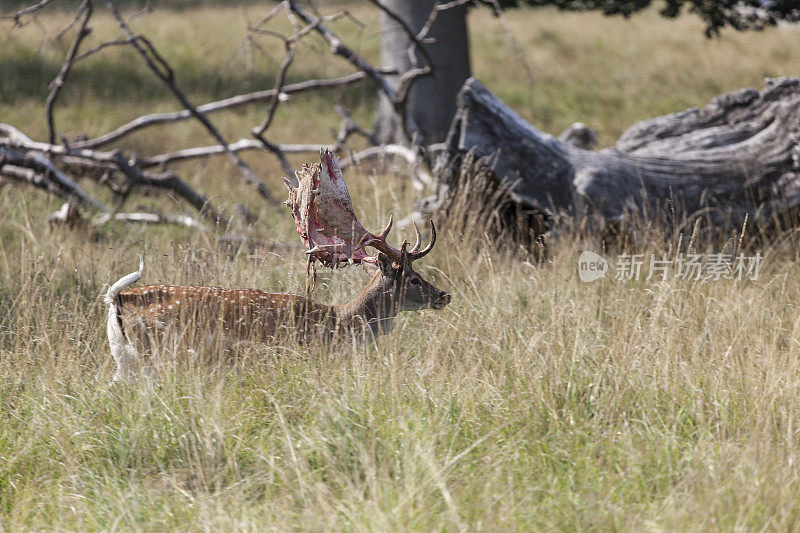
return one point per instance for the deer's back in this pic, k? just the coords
(237, 314)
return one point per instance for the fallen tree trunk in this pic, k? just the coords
(737, 157)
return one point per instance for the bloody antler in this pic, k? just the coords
(323, 213)
(324, 216)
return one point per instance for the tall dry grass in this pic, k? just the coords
(534, 401)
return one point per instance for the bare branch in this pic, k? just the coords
(20, 165)
(420, 177)
(434, 14)
(153, 218)
(17, 17)
(13, 134)
(241, 145)
(258, 27)
(100, 47)
(168, 180)
(69, 216)
(340, 49)
(416, 45)
(276, 149)
(220, 105)
(71, 24)
(276, 97)
(48, 165)
(22, 159)
(160, 67)
(66, 66)
(290, 43)
(348, 127)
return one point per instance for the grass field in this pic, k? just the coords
(533, 402)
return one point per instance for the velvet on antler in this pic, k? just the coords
(324, 216)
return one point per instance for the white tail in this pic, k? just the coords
(122, 350)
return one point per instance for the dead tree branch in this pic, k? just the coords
(154, 218)
(162, 70)
(66, 66)
(17, 17)
(348, 127)
(420, 177)
(241, 145)
(58, 167)
(39, 164)
(220, 105)
(290, 44)
(99, 48)
(340, 49)
(34, 167)
(276, 96)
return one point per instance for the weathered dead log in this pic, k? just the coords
(738, 156)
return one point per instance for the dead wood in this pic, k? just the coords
(736, 158)
(40, 164)
(58, 165)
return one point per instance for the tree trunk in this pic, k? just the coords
(738, 156)
(432, 100)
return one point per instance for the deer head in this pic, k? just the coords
(394, 287)
(406, 288)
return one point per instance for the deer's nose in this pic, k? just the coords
(442, 300)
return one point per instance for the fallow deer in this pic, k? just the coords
(146, 315)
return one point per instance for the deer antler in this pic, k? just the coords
(324, 217)
(415, 253)
(398, 256)
(323, 213)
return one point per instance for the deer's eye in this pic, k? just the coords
(415, 281)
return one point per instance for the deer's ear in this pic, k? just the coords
(386, 265)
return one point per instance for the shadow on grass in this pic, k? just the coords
(27, 76)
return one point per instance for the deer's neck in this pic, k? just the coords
(371, 307)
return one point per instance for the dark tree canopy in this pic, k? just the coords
(431, 100)
(738, 14)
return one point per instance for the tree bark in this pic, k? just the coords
(432, 100)
(738, 156)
